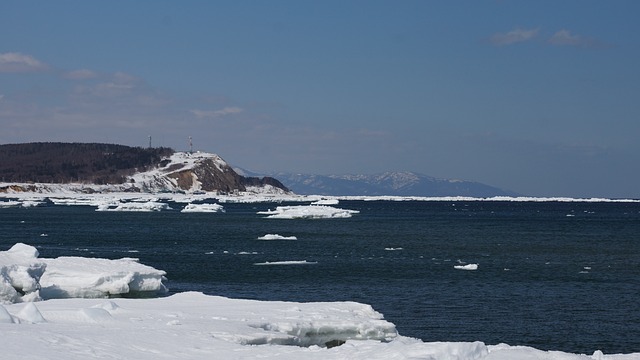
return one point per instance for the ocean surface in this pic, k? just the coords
(552, 275)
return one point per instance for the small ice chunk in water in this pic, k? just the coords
(277, 237)
(470, 267)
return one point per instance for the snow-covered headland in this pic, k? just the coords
(191, 325)
(180, 172)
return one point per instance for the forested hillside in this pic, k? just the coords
(52, 162)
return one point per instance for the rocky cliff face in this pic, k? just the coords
(199, 172)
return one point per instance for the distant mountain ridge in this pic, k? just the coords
(121, 167)
(388, 183)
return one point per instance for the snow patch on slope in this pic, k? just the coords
(159, 179)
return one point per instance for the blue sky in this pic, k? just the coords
(538, 97)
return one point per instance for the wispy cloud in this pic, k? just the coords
(82, 74)
(111, 86)
(212, 114)
(566, 38)
(513, 37)
(14, 62)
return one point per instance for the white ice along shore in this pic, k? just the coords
(196, 326)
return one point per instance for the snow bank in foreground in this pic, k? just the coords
(196, 326)
(308, 212)
(25, 277)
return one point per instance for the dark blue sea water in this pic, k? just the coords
(554, 275)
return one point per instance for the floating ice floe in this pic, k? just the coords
(25, 203)
(10, 203)
(77, 201)
(134, 206)
(277, 237)
(466, 267)
(308, 212)
(326, 202)
(208, 208)
(290, 262)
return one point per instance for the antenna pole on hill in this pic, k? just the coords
(149, 141)
(190, 145)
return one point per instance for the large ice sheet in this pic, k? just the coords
(69, 277)
(25, 277)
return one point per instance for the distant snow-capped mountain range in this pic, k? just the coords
(389, 183)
